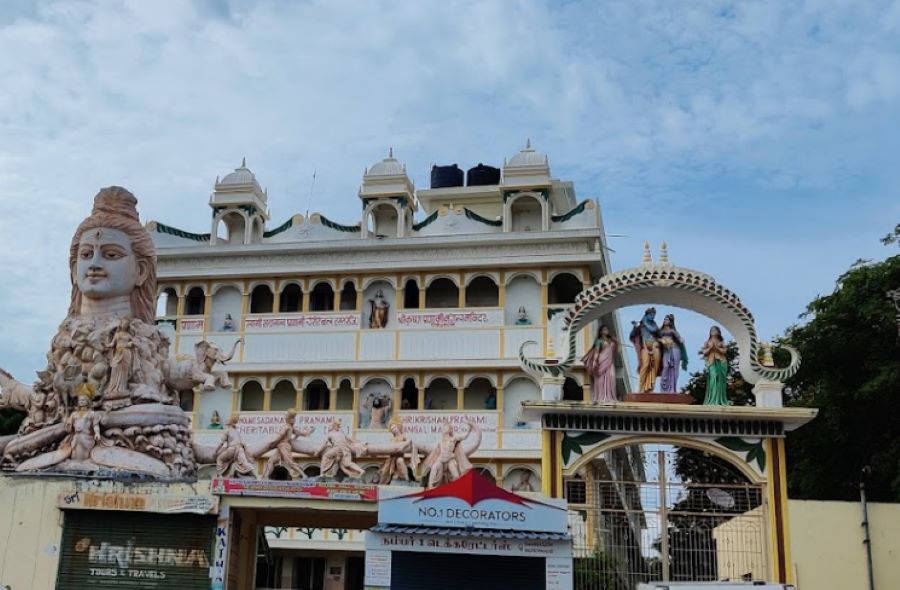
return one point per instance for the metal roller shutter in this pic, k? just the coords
(452, 571)
(138, 551)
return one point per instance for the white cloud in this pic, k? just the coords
(679, 112)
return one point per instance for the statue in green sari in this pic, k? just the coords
(716, 369)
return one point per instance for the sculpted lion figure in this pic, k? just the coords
(183, 374)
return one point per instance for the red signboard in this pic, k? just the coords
(316, 490)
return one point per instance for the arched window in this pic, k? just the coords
(527, 214)
(522, 303)
(572, 391)
(409, 395)
(321, 298)
(442, 293)
(235, 226)
(411, 294)
(252, 397)
(167, 303)
(480, 394)
(564, 288)
(482, 292)
(261, 299)
(515, 392)
(344, 396)
(348, 297)
(291, 299)
(384, 220)
(284, 396)
(440, 395)
(195, 302)
(316, 396)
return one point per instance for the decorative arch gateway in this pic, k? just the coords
(747, 442)
(665, 283)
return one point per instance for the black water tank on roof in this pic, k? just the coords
(444, 176)
(482, 175)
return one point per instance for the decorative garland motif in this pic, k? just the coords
(174, 231)
(578, 210)
(281, 228)
(476, 217)
(425, 222)
(670, 277)
(337, 226)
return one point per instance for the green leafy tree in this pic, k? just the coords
(10, 420)
(851, 372)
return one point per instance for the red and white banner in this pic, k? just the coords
(318, 490)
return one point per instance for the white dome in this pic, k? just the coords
(527, 157)
(390, 166)
(241, 175)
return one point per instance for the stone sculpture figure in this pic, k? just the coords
(645, 337)
(448, 460)
(183, 374)
(378, 408)
(13, 394)
(283, 453)
(378, 310)
(716, 369)
(395, 466)
(525, 484)
(232, 457)
(338, 451)
(600, 364)
(522, 317)
(107, 344)
(674, 355)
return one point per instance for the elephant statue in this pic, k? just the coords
(13, 394)
(183, 374)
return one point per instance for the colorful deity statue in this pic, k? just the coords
(716, 369)
(378, 310)
(645, 337)
(674, 355)
(600, 364)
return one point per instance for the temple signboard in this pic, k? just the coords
(449, 319)
(304, 321)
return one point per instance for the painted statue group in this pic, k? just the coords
(661, 355)
(107, 401)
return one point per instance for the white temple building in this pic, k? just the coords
(467, 270)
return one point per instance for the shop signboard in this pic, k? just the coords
(138, 502)
(315, 490)
(135, 550)
(472, 501)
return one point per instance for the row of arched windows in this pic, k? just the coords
(442, 292)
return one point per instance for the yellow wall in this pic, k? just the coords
(827, 545)
(30, 532)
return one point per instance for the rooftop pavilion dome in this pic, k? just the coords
(528, 168)
(389, 166)
(241, 175)
(528, 157)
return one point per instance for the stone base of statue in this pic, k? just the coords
(659, 398)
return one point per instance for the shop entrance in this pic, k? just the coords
(297, 544)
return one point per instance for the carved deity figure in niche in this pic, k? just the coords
(522, 317)
(228, 323)
(395, 466)
(645, 338)
(378, 407)
(716, 369)
(378, 310)
(108, 343)
(674, 355)
(524, 484)
(600, 364)
(283, 454)
(448, 461)
(232, 457)
(338, 450)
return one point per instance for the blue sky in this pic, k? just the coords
(760, 139)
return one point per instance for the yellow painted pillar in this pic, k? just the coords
(501, 291)
(421, 391)
(235, 399)
(356, 408)
(462, 291)
(276, 297)
(305, 297)
(779, 527)
(421, 293)
(337, 297)
(460, 397)
(207, 312)
(546, 467)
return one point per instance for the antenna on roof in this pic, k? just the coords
(312, 185)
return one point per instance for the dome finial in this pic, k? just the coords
(528, 143)
(244, 162)
(391, 152)
(647, 259)
(664, 253)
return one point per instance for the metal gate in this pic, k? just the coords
(656, 512)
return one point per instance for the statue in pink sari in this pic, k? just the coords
(600, 364)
